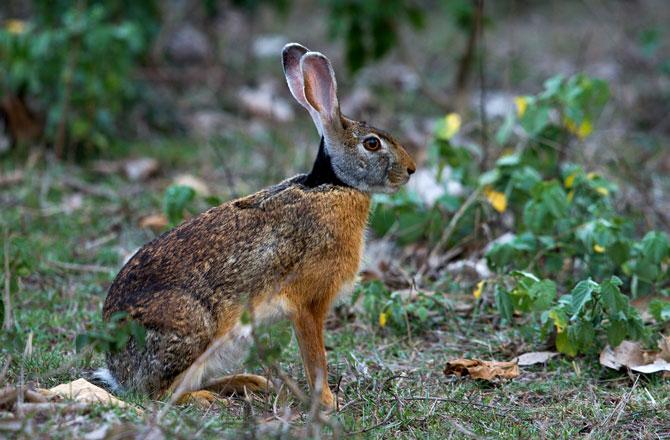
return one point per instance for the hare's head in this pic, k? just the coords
(361, 156)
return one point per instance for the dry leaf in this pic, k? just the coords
(625, 354)
(534, 357)
(485, 370)
(664, 345)
(198, 185)
(631, 355)
(155, 222)
(82, 390)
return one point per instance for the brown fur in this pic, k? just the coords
(190, 285)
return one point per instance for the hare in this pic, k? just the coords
(286, 251)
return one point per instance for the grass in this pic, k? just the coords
(68, 241)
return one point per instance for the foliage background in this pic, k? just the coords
(538, 218)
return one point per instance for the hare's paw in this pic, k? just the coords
(328, 400)
(240, 383)
(201, 398)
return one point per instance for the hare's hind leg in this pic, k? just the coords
(239, 383)
(179, 328)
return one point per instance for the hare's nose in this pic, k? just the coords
(411, 170)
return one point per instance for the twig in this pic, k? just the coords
(80, 267)
(377, 425)
(618, 410)
(11, 178)
(68, 79)
(479, 24)
(446, 235)
(51, 407)
(88, 188)
(5, 368)
(6, 299)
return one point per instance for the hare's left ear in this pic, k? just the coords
(291, 55)
(320, 89)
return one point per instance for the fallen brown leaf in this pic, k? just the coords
(155, 222)
(82, 392)
(485, 370)
(534, 357)
(631, 355)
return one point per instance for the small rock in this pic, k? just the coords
(140, 169)
(265, 103)
(198, 185)
(267, 46)
(72, 203)
(208, 123)
(357, 102)
(188, 45)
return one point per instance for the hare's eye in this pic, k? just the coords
(372, 143)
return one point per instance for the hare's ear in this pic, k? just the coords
(291, 55)
(320, 88)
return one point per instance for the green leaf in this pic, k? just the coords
(581, 294)
(504, 304)
(505, 129)
(613, 300)
(616, 332)
(565, 345)
(175, 201)
(655, 247)
(81, 341)
(535, 119)
(543, 294)
(660, 310)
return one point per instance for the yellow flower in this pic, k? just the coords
(584, 129)
(477, 293)
(603, 191)
(15, 27)
(570, 180)
(521, 103)
(452, 123)
(571, 195)
(383, 318)
(558, 322)
(598, 249)
(497, 199)
(592, 175)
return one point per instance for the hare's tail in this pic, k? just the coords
(104, 377)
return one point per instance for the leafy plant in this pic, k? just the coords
(176, 200)
(76, 63)
(369, 27)
(112, 335)
(563, 220)
(395, 310)
(582, 319)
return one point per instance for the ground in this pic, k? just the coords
(388, 385)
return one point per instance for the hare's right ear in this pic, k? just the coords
(291, 55)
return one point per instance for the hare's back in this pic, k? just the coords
(244, 247)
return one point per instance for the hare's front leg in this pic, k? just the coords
(308, 322)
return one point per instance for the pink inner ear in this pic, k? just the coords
(319, 83)
(291, 60)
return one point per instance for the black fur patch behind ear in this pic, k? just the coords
(322, 172)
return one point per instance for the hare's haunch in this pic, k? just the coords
(284, 252)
